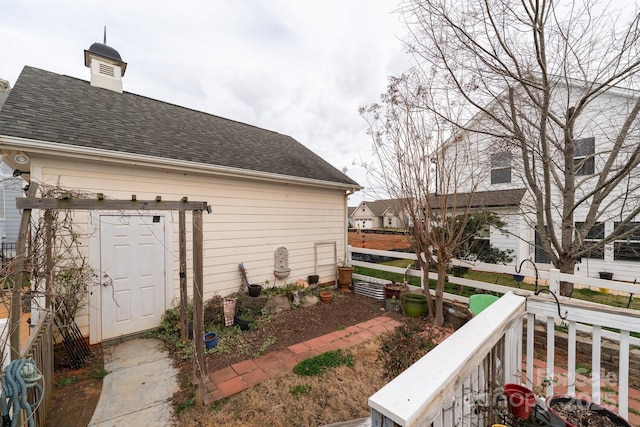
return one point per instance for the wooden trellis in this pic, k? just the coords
(100, 203)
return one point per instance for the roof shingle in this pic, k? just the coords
(60, 109)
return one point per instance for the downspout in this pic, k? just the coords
(346, 220)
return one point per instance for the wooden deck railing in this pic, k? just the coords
(447, 385)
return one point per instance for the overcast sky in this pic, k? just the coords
(300, 68)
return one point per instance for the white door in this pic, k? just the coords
(132, 266)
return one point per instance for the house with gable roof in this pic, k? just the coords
(383, 213)
(267, 190)
(497, 168)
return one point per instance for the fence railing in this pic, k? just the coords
(444, 385)
(39, 346)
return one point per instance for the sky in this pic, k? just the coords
(300, 68)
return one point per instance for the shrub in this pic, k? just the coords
(403, 347)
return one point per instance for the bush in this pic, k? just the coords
(403, 347)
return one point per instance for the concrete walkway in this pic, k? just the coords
(139, 387)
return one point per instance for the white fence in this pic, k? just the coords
(454, 384)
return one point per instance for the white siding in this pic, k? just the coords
(250, 219)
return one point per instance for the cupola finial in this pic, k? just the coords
(105, 35)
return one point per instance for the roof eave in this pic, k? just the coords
(73, 151)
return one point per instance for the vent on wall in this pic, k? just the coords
(107, 70)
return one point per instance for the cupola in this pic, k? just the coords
(106, 65)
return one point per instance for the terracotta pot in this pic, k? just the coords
(326, 296)
(345, 276)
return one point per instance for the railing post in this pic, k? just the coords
(554, 280)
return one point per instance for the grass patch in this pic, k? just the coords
(100, 373)
(66, 381)
(319, 364)
(300, 390)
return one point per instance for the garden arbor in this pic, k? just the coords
(100, 203)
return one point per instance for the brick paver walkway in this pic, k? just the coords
(243, 375)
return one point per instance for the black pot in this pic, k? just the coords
(586, 406)
(254, 290)
(313, 279)
(243, 321)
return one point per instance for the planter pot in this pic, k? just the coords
(393, 290)
(244, 321)
(254, 290)
(415, 305)
(313, 279)
(210, 339)
(578, 412)
(520, 400)
(345, 276)
(391, 304)
(326, 296)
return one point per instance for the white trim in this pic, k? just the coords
(95, 302)
(61, 149)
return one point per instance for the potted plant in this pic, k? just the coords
(574, 412)
(345, 274)
(244, 320)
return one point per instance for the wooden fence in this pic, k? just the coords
(39, 346)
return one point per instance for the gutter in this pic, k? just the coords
(73, 151)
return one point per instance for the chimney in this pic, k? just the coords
(107, 67)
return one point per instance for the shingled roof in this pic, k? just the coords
(59, 109)
(481, 199)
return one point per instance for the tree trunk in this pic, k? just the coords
(566, 265)
(442, 274)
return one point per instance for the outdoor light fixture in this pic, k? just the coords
(21, 158)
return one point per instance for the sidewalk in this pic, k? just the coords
(139, 387)
(243, 375)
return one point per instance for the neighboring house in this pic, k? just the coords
(498, 168)
(266, 189)
(11, 187)
(385, 213)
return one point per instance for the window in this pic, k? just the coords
(594, 235)
(583, 159)
(627, 248)
(501, 168)
(390, 222)
(541, 255)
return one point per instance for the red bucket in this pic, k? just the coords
(520, 399)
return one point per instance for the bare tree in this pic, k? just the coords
(410, 145)
(554, 83)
